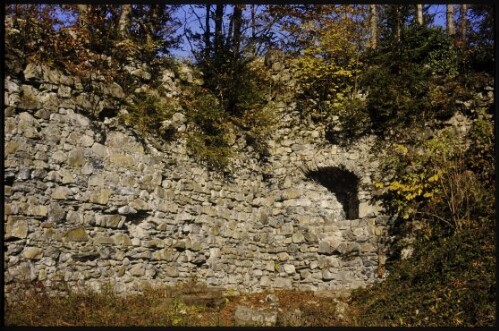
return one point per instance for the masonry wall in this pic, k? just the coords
(88, 203)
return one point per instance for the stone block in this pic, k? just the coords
(77, 234)
(280, 282)
(103, 240)
(358, 232)
(245, 316)
(100, 197)
(87, 169)
(139, 204)
(43, 114)
(137, 270)
(287, 228)
(33, 73)
(195, 246)
(64, 91)
(59, 156)
(283, 256)
(171, 271)
(166, 254)
(16, 227)
(305, 274)
(61, 193)
(55, 213)
(289, 268)
(327, 275)
(367, 247)
(125, 210)
(298, 237)
(110, 221)
(121, 239)
(291, 194)
(11, 147)
(324, 247)
(37, 210)
(121, 160)
(100, 150)
(265, 281)
(76, 158)
(86, 141)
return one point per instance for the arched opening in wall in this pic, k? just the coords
(343, 183)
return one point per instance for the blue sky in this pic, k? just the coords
(185, 51)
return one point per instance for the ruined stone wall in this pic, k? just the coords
(88, 203)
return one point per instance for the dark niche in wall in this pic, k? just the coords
(343, 183)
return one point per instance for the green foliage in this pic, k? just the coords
(402, 76)
(428, 180)
(480, 154)
(258, 126)
(323, 83)
(233, 93)
(236, 84)
(448, 282)
(436, 183)
(329, 63)
(208, 139)
(147, 113)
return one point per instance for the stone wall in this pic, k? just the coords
(89, 203)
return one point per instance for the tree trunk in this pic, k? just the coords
(154, 21)
(451, 29)
(207, 42)
(228, 39)
(219, 12)
(124, 22)
(419, 10)
(398, 23)
(374, 26)
(238, 13)
(253, 22)
(463, 23)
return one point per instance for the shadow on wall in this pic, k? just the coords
(343, 183)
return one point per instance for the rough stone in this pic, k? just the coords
(76, 158)
(137, 270)
(246, 316)
(280, 282)
(110, 221)
(324, 247)
(125, 210)
(77, 234)
(289, 268)
(103, 240)
(61, 193)
(37, 210)
(11, 147)
(86, 141)
(100, 197)
(121, 159)
(100, 150)
(59, 157)
(33, 72)
(122, 239)
(16, 227)
(298, 237)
